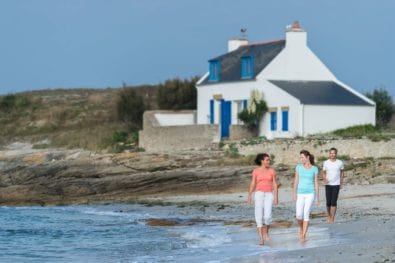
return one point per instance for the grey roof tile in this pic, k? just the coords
(320, 93)
(230, 63)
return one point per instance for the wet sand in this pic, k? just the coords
(364, 230)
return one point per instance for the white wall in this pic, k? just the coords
(318, 119)
(296, 62)
(300, 64)
(277, 98)
(229, 91)
(274, 97)
(175, 119)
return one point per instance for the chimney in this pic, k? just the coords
(295, 35)
(235, 43)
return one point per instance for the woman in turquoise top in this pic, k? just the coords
(304, 189)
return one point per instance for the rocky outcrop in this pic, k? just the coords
(61, 177)
(56, 177)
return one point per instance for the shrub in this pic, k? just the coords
(384, 105)
(252, 115)
(7, 103)
(130, 108)
(233, 151)
(177, 94)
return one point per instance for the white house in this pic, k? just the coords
(302, 94)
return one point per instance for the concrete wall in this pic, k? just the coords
(157, 138)
(176, 118)
(287, 151)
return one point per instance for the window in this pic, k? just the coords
(285, 120)
(247, 67)
(214, 70)
(273, 120)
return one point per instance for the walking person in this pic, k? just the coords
(264, 184)
(304, 189)
(333, 174)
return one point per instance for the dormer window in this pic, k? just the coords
(247, 67)
(214, 70)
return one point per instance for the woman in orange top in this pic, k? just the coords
(263, 183)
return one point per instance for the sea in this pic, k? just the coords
(120, 233)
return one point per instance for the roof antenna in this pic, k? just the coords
(243, 32)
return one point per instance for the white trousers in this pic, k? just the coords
(263, 208)
(303, 206)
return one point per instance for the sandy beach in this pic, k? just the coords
(364, 230)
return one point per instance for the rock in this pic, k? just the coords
(75, 176)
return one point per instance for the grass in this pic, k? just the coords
(70, 118)
(369, 131)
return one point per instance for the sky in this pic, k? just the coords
(46, 44)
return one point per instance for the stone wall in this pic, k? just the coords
(156, 138)
(240, 132)
(287, 151)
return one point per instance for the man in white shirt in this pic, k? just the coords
(333, 173)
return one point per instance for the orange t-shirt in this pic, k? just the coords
(264, 180)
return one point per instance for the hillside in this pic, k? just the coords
(70, 118)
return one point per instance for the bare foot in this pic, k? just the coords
(267, 237)
(261, 243)
(303, 238)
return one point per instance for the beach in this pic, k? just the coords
(201, 228)
(364, 230)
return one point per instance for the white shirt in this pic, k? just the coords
(333, 169)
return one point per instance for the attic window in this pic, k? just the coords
(214, 70)
(247, 67)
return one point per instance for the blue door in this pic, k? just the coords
(225, 118)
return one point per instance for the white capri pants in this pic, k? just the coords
(263, 208)
(303, 206)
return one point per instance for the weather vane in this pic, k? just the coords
(243, 31)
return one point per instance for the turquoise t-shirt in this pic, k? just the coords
(306, 179)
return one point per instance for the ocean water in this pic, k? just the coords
(118, 233)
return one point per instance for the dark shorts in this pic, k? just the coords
(332, 193)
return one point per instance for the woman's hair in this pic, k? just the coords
(260, 157)
(308, 155)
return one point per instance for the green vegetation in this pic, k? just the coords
(384, 105)
(130, 108)
(359, 131)
(252, 115)
(253, 141)
(356, 131)
(177, 94)
(73, 118)
(233, 151)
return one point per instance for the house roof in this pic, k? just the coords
(230, 63)
(320, 93)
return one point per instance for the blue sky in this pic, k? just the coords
(99, 43)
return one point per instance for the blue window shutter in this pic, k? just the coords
(285, 121)
(211, 111)
(214, 70)
(247, 67)
(251, 67)
(244, 104)
(273, 121)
